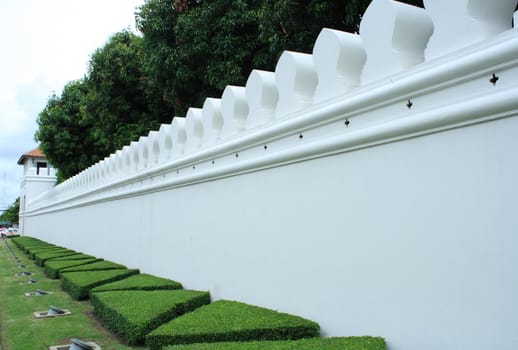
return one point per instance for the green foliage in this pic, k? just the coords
(100, 113)
(22, 242)
(41, 257)
(96, 266)
(133, 314)
(78, 284)
(78, 256)
(53, 267)
(11, 214)
(231, 321)
(65, 131)
(139, 282)
(345, 343)
(116, 94)
(32, 251)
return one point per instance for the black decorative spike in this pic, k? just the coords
(494, 79)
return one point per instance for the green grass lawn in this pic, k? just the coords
(20, 330)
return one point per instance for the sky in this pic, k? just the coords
(44, 45)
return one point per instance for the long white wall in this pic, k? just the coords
(370, 186)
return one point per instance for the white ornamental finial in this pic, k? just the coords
(395, 37)
(460, 23)
(262, 96)
(296, 81)
(339, 58)
(234, 109)
(212, 121)
(165, 142)
(179, 137)
(193, 130)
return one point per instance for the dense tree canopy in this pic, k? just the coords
(188, 50)
(65, 128)
(101, 113)
(11, 214)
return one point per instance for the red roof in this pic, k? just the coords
(35, 153)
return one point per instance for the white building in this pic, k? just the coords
(38, 177)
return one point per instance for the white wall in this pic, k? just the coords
(414, 241)
(348, 206)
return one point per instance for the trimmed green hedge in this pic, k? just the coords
(41, 257)
(33, 251)
(96, 266)
(139, 282)
(77, 256)
(53, 267)
(225, 321)
(132, 314)
(78, 284)
(345, 343)
(23, 241)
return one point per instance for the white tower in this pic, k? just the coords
(38, 177)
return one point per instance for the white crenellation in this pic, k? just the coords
(461, 23)
(133, 157)
(179, 137)
(153, 147)
(212, 120)
(234, 109)
(193, 130)
(296, 80)
(394, 36)
(99, 169)
(165, 141)
(114, 170)
(124, 163)
(338, 58)
(143, 153)
(262, 96)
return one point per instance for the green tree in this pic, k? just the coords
(156, 20)
(11, 214)
(64, 131)
(99, 114)
(116, 95)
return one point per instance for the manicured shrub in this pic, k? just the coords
(41, 257)
(96, 266)
(53, 267)
(225, 321)
(78, 284)
(345, 343)
(33, 251)
(21, 242)
(39, 246)
(77, 256)
(132, 314)
(139, 282)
